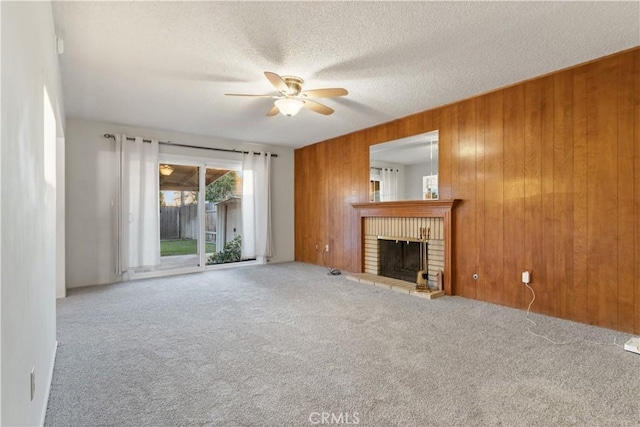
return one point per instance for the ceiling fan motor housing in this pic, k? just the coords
(294, 84)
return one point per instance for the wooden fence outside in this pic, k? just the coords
(181, 222)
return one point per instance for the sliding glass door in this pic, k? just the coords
(200, 214)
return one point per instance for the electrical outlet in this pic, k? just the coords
(326, 248)
(526, 277)
(33, 382)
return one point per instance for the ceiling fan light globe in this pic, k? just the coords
(289, 107)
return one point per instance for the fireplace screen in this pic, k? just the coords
(399, 260)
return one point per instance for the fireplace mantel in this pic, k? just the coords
(406, 208)
(412, 209)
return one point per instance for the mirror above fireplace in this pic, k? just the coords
(404, 169)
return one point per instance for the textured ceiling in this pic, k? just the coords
(167, 65)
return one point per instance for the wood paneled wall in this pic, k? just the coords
(548, 174)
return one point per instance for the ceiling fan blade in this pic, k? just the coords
(273, 111)
(252, 96)
(317, 107)
(324, 93)
(276, 81)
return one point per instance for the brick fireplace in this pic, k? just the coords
(402, 220)
(403, 234)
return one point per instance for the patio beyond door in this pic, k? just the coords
(223, 195)
(179, 216)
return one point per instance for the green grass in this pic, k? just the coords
(183, 247)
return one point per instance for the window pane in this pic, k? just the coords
(223, 215)
(179, 216)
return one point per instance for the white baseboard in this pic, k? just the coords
(48, 389)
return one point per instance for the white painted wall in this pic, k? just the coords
(28, 210)
(91, 183)
(61, 290)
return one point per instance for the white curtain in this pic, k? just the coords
(256, 205)
(388, 185)
(139, 234)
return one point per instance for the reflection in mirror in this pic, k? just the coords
(404, 169)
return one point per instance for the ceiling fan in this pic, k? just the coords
(292, 98)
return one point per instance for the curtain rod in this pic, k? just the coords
(111, 136)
